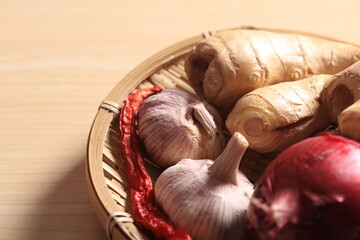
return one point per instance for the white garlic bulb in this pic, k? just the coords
(175, 124)
(205, 198)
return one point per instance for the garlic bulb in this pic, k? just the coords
(175, 124)
(205, 198)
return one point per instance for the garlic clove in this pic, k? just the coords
(175, 124)
(207, 199)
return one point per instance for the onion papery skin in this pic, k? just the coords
(310, 191)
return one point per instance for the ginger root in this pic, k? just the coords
(229, 64)
(274, 117)
(349, 121)
(341, 97)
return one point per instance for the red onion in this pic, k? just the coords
(310, 191)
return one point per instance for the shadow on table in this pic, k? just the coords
(66, 212)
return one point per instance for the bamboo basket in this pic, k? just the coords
(106, 179)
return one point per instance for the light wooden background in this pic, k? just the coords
(58, 61)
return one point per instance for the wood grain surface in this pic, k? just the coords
(58, 61)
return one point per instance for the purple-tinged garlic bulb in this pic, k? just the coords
(206, 198)
(175, 124)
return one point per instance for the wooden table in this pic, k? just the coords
(58, 61)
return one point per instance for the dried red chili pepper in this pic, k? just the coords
(139, 182)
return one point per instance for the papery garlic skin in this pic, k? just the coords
(175, 124)
(205, 198)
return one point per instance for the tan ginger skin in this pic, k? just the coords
(341, 97)
(229, 64)
(274, 117)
